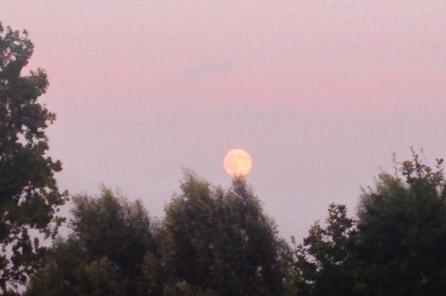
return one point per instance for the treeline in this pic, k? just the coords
(211, 240)
(219, 242)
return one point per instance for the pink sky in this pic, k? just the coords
(320, 92)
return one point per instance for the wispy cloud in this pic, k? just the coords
(206, 68)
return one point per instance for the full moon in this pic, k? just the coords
(237, 163)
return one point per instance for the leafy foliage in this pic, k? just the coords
(221, 241)
(323, 265)
(402, 232)
(396, 246)
(212, 242)
(29, 196)
(108, 253)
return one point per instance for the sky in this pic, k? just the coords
(321, 93)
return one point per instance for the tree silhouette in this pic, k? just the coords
(402, 232)
(396, 246)
(110, 252)
(29, 196)
(323, 262)
(221, 242)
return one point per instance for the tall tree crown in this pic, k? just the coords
(29, 196)
(221, 241)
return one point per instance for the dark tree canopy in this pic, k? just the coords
(396, 246)
(221, 241)
(211, 242)
(322, 263)
(110, 252)
(29, 196)
(401, 239)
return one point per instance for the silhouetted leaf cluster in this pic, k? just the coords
(29, 196)
(211, 242)
(395, 246)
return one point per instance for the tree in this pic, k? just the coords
(66, 272)
(221, 242)
(395, 246)
(110, 252)
(211, 242)
(402, 232)
(323, 262)
(29, 196)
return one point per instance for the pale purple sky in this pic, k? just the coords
(321, 93)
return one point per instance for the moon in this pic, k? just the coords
(237, 163)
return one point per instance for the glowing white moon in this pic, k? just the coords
(237, 163)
